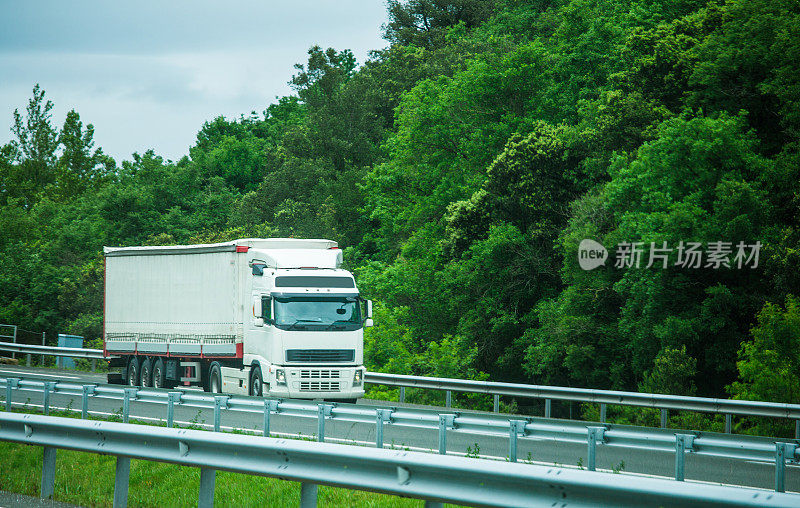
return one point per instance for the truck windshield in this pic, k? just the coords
(317, 313)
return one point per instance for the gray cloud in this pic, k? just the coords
(147, 74)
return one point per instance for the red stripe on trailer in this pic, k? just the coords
(242, 248)
(240, 350)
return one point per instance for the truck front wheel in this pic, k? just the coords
(256, 385)
(133, 372)
(215, 378)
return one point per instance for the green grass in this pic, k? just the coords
(88, 479)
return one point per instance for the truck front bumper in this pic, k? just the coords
(323, 382)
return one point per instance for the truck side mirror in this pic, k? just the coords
(259, 321)
(369, 310)
(368, 322)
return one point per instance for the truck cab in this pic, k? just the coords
(306, 331)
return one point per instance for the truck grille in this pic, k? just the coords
(319, 374)
(320, 355)
(319, 386)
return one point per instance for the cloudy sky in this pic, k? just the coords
(147, 74)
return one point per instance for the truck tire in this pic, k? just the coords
(159, 379)
(133, 372)
(214, 378)
(146, 372)
(256, 383)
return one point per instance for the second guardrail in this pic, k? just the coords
(665, 403)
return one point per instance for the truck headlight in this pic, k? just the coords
(357, 377)
(280, 376)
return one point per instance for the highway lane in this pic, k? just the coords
(540, 451)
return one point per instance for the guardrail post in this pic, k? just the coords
(780, 467)
(28, 360)
(308, 495)
(207, 480)
(11, 382)
(172, 399)
(515, 428)
(445, 421)
(94, 364)
(595, 433)
(603, 409)
(381, 416)
(683, 442)
(126, 402)
(269, 407)
(664, 415)
(448, 396)
(547, 406)
(496, 405)
(728, 423)
(48, 472)
(87, 390)
(48, 385)
(121, 477)
(797, 429)
(323, 410)
(220, 403)
(402, 394)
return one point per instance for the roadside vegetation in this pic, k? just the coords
(460, 167)
(160, 484)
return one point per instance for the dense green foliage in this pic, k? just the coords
(461, 166)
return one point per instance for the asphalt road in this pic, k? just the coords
(541, 451)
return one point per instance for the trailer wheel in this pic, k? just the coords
(158, 374)
(133, 372)
(215, 378)
(147, 372)
(256, 385)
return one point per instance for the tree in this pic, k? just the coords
(424, 23)
(79, 168)
(342, 124)
(33, 152)
(768, 364)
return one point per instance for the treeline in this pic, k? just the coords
(461, 166)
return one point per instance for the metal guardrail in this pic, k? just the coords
(663, 402)
(436, 479)
(593, 435)
(70, 352)
(652, 400)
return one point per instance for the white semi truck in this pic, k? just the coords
(275, 317)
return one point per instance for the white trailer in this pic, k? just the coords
(275, 317)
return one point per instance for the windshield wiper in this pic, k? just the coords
(303, 321)
(337, 322)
